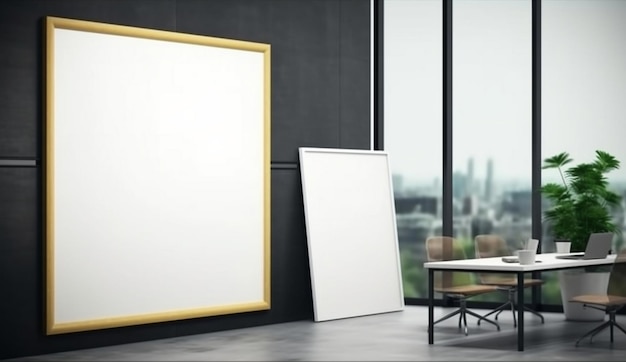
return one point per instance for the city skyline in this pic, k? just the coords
(490, 172)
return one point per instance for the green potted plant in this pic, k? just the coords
(580, 205)
(582, 202)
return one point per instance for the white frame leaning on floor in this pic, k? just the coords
(351, 232)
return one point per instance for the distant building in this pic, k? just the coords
(414, 228)
(481, 225)
(421, 204)
(517, 204)
(489, 182)
(459, 185)
(469, 186)
(469, 205)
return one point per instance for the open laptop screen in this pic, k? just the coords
(598, 247)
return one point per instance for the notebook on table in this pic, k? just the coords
(598, 247)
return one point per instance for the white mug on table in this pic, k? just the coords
(526, 256)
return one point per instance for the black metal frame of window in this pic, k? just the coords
(447, 222)
(536, 139)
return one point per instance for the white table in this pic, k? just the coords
(544, 262)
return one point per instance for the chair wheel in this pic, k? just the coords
(466, 331)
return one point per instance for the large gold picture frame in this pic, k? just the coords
(157, 176)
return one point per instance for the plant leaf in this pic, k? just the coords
(556, 161)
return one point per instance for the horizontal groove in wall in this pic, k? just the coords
(34, 162)
(284, 166)
(14, 162)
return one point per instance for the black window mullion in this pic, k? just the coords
(537, 230)
(447, 222)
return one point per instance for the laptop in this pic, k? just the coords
(598, 247)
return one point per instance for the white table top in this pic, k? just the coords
(546, 261)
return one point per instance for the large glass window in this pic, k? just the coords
(413, 128)
(583, 87)
(491, 127)
(583, 93)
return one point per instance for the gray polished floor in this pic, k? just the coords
(397, 336)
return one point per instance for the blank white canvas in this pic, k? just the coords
(351, 231)
(156, 178)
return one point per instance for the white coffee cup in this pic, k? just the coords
(532, 244)
(526, 257)
(563, 246)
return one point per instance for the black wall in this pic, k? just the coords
(320, 98)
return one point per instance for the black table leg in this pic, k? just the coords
(431, 292)
(520, 311)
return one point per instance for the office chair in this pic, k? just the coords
(457, 285)
(493, 245)
(611, 302)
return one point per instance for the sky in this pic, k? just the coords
(583, 84)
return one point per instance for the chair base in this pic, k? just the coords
(463, 312)
(608, 324)
(513, 307)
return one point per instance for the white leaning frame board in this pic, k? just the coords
(157, 176)
(351, 231)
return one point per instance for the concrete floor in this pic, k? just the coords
(397, 336)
